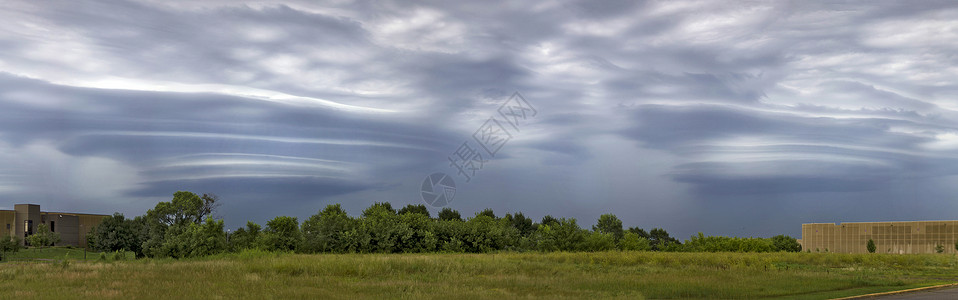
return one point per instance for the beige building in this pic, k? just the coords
(23, 220)
(889, 237)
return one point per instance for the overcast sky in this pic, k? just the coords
(742, 119)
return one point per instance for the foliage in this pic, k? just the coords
(193, 240)
(244, 238)
(43, 237)
(786, 243)
(9, 244)
(520, 222)
(702, 243)
(487, 212)
(562, 235)
(414, 209)
(661, 240)
(116, 233)
(640, 232)
(633, 242)
(281, 234)
(939, 248)
(610, 224)
(448, 214)
(324, 232)
(870, 246)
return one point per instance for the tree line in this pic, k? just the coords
(185, 227)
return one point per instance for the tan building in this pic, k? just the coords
(889, 237)
(23, 220)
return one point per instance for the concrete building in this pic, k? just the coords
(23, 220)
(889, 237)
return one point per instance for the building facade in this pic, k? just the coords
(889, 237)
(23, 220)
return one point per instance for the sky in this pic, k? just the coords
(727, 118)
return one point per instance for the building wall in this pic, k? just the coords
(889, 237)
(66, 225)
(8, 220)
(72, 227)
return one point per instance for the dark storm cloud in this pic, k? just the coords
(660, 104)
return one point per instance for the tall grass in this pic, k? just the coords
(559, 275)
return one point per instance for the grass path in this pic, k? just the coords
(624, 275)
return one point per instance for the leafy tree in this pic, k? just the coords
(281, 233)
(447, 214)
(416, 233)
(939, 248)
(244, 238)
(610, 224)
(562, 235)
(9, 244)
(450, 235)
(210, 203)
(186, 207)
(193, 240)
(487, 212)
(597, 241)
(376, 207)
(640, 232)
(43, 237)
(786, 243)
(483, 234)
(415, 209)
(549, 220)
(661, 240)
(520, 222)
(116, 233)
(870, 246)
(324, 232)
(633, 242)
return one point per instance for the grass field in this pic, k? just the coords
(625, 275)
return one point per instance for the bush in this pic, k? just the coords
(633, 242)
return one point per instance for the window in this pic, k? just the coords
(8, 226)
(51, 226)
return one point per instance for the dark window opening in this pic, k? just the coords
(8, 226)
(51, 226)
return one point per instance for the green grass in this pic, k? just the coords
(625, 275)
(58, 254)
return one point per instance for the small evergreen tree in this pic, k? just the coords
(871, 246)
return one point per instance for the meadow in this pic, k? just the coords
(256, 274)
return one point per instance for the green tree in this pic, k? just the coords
(185, 208)
(870, 246)
(640, 232)
(562, 235)
(244, 238)
(661, 240)
(447, 214)
(786, 243)
(281, 233)
(521, 223)
(549, 220)
(43, 237)
(939, 248)
(487, 212)
(597, 241)
(415, 209)
(9, 244)
(610, 224)
(380, 207)
(324, 232)
(633, 242)
(117, 233)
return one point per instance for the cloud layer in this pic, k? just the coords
(691, 116)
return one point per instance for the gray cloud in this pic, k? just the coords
(646, 108)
